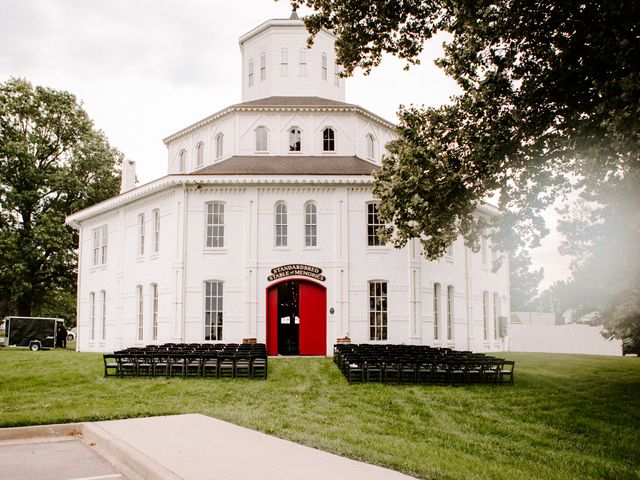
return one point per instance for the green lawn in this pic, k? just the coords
(566, 417)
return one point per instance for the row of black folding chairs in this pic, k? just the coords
(231, 361)
(428, 365)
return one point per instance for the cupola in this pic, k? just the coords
(276, 61)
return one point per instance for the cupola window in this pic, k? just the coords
(182, 161)
(284, 62)
(200, 154)
(371, 147)
(324, 66)
(219, 145)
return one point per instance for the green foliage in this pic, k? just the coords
(524, 282)
(550, 98)
(577, 412)
(52, 162)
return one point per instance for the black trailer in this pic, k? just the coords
(37, 333)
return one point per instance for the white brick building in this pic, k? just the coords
(265, 227)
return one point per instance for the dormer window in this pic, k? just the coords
(250, 72)
(262, 144)
(303, 63)
(219, 145)
(295, 140)
(328, 140)
(200, 154)
(263, 66)
(371, 147)
(284, 62)
(324, 66)
(182, 161)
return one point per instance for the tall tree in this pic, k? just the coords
(52, 162)
(551, 101)
(524, 281)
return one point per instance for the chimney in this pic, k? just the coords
(128, 176)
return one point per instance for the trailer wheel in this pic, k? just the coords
(34, 346)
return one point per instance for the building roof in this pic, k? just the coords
(293, 102)
(282, 104)
(290, 165)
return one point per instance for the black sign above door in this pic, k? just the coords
(296, 270)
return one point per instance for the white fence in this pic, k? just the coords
(572, 338)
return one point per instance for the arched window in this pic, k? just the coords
(182, 161)
(263, 66)
(281, 224)
(371, 147)
(219, 145)
(213, 312)
(310, 225)
(262, 143)
(250, 72)
(324, 66)
(302, 71)
(295, 140)
(200, 154)
(284, 62)
(450, 312)
(328, 140)
(436, 311)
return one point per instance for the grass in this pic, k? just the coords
(566, 417)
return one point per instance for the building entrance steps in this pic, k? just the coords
(197, 447)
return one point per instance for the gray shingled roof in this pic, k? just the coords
(293, 102)
(289, 165)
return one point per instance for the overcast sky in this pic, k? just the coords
(147, 68)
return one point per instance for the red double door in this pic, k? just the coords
(296, 318)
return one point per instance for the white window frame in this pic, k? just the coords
(371, 146)
(310, 224)
(141, 227)
(378, 310)
(103, 313)
(496, 314)
(213, 310)
(437, 313)
(328, 140)
(485, 315)
(182, 161)
(295, 140)
(281, 225)
(483, 251)
(140, 312)
(324, 66)
(262, 139)
(219, 145)
(284, 62)
(156, 230)
(100, 245)
(450, 311)
(302, 63)
(250, 68)
(263, 66)
(214, 224)
(154, 311)
(373, 223)
(92, 315)
(200, 154)
(336, 75)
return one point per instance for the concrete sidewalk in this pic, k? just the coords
(196, 447)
